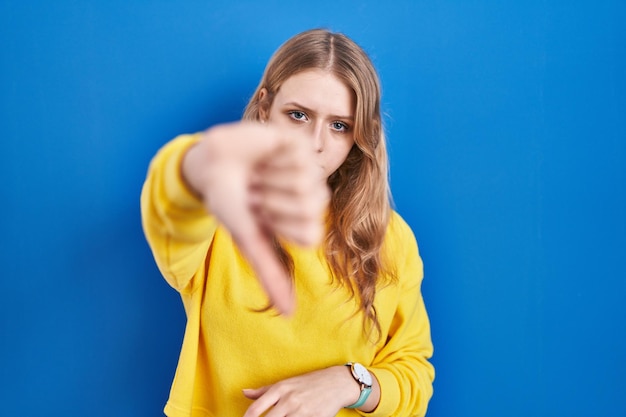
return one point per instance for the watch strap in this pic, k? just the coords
(365, 390)
(365, 393)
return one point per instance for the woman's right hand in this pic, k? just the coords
(259, 184)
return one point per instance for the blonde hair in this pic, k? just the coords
(360, 203)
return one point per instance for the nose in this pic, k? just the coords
(319, 137)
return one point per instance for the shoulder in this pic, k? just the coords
(401, 253)
(399, 232)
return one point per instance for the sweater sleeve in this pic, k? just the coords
(402, 368)
(175, 222)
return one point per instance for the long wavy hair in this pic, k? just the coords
(360, 200)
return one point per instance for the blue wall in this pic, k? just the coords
(507, 129)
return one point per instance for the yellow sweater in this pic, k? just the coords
(228, 347)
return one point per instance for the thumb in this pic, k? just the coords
(254, 393)
(229, 202)
(256, 246)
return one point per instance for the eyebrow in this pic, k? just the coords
(311, 111)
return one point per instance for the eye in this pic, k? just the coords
(298, 115)
(340, 126)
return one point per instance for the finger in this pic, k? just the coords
(289, 167)
(290, 184)
(291, 191)
(282, 409)
(254, 244)
(251, 141)
(285, 161)
(305, 174)
(303, 232)
(258, 249)
(303, 235)
(306, 231)
(254, 393)
(263, 403)
(263, 144)
(277, 204)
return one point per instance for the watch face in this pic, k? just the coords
(362, 374)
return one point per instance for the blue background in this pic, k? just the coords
(507, 130)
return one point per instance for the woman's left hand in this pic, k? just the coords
(320, 393)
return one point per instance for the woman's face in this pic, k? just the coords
(317, 106)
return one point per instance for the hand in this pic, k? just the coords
(260, 184)
(320, 393)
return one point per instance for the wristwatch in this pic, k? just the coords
(364, 378)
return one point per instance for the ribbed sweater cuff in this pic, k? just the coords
(176, 188)
(389, 393)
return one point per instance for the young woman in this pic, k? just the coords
(300, 284)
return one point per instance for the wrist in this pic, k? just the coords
(364, 380)
(346, 389)
(353, 388)
(199, 164)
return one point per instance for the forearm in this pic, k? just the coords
(196, 164)
(352, 389)
(402, 365)
(325, 391)
(174, 220)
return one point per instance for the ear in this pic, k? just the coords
(264, 108)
